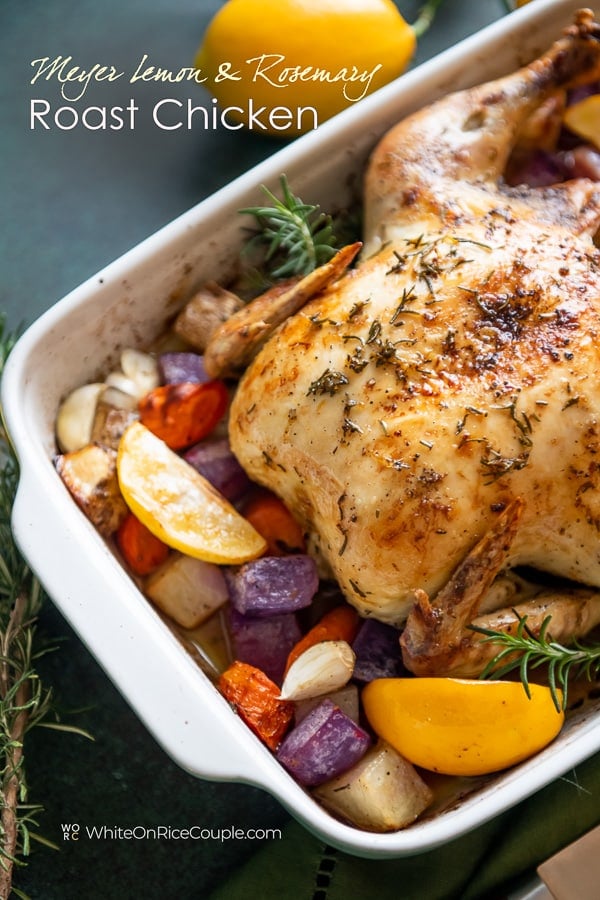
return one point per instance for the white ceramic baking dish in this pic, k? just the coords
(126, 304)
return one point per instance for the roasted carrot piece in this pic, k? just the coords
(142, 551)
(272, 519)
(339, 624)
(183, 414)
(256, 699)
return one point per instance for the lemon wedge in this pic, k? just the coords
(461, 726)
(178, 505)
(583, 119)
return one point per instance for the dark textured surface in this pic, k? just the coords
(72, 201)
(75, 200)
(122, 780)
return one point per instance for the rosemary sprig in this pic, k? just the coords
(24, 701)
(525, 651)
(298, 237)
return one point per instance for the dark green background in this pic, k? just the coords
(71, 202)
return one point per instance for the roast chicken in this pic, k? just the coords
(432, 415)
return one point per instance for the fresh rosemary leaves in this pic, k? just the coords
(297, 236)
(524, 651)
(24, 701)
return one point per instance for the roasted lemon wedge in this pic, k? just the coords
(178, 505)
(462, 726)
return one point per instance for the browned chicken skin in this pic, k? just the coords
(438, 638)
(444, 164)
(454, 371)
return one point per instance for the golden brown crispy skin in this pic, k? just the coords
(455, 369)
(438, 638)
(237, 341)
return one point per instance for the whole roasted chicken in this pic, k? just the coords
(432, 416)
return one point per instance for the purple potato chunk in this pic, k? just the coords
(215, 462)
(325, 744)
(177, 367)
(264, 643)
(377, 649)
(273, 584)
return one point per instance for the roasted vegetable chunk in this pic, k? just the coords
(264, 643)
(256, 698)
(207, 309)
(324, 744)
(273, 584)
(90, 474)
(382, 792)
(188, 590)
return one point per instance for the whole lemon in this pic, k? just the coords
(283, 67)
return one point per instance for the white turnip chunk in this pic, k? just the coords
(382, 792)
(188, 590)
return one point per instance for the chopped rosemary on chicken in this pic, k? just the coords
(525, 651)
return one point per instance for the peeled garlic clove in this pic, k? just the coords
(122, 383)
(323, 668)
(142, 369)
(118, 399)
(75, 417)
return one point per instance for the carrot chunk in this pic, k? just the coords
(339, 624)
(142, 551)
(183, 414)
(272, 519)
(256, 699)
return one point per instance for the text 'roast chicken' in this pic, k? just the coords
(445, 391)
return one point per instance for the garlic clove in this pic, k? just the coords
(122, 383)
(323, 668)
(142, 369)
(75, 417)
(118, 399)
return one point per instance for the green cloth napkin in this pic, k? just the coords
(478, 866)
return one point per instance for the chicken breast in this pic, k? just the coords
(455, 369)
